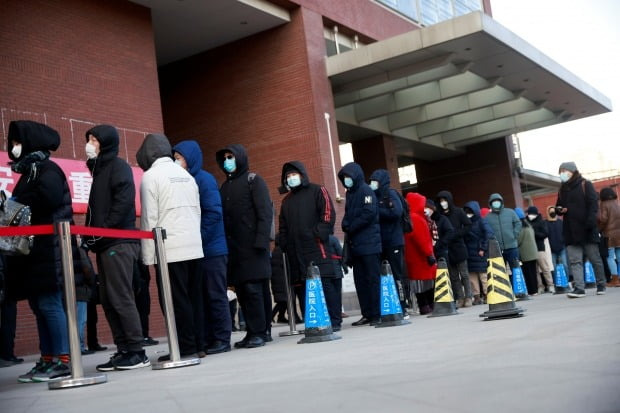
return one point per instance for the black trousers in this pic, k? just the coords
(366, 273)
(142, 281)
(529, 274)
(186, 290)
(394, 255)
(8, 326)
(217, 322)
(255, 300)
(332, 288)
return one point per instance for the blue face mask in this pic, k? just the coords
(565, 176)
(230, 165)
(348, 182)
(293, 181)
(374, 185)
(496, 204)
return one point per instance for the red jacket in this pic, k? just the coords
(418, 243)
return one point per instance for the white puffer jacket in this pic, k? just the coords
(170, 199)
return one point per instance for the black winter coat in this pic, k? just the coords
(361, 213)
(390, 211)
(580, 199)
(477, 239)
(445, 232)
(540, 232)
(247, 220)
(460, 224)
(307, 219)
(50, 201)
(111, 203)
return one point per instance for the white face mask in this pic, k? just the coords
(444, 204)
(532, 217)
(374, 185)
(17, 151)
(178, 162)
(470, 216)
(428, 212)
(91, 151)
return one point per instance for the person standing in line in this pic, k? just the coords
(307, 219)
(457, 251)
(170, 200)
(528, 253)
(392, 235)
(506, 226)
(477, 242)
(37, 277)
(577, 203)
(248, 217)
(217, 322)
(112, 205)
(556, 239)
(540, 234)
(609, 224)
(363, 234)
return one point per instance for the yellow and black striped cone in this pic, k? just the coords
(444, 300)
(500, 297)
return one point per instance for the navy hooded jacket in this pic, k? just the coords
(390, 211)
(361, 213)
(211, 217)
(477, 239)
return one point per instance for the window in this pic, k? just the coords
(429, 12)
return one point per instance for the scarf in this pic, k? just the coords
(432, 226)
(29, 165)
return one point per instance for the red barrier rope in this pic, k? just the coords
(76, 229)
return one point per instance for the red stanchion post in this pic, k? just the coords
(173, 343)
(78, 378)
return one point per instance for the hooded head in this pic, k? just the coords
(447, 196)
(190, 150)
(293, 166)
(241, 159)
(608, 194)
(484, 211)
(353, 171)
(33, 136)
(496, 197)
(472, 207)
(520, 213)
(416, 202)
(155, 146)
(382, 176)
(532, 210)
(108, 139)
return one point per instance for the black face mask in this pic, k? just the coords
(552, 214)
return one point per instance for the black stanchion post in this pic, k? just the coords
(290, 304)
(171, 327)
(63, 230)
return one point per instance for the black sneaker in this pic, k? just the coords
(132, 360)
(576, 293)
(109, 366)
(55, 370)
(600, 290)
(40, 366)
(10, 361)
(149, 341)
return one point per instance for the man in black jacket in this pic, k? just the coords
(248, 216)
(307, 219)
(578, 205)
(112, 205)
(457, 251)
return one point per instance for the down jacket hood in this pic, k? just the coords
(190, 150)
(155, 146)
(383, 177)
(354, 171)
(474, 206)
(293, 166)
(33, 136)
(447, 195)
(416, 202)
(241, 159)
(108, 145)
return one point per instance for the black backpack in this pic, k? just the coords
(405, 218)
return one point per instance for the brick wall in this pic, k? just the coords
(72, 64)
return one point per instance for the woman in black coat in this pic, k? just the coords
(38, 276)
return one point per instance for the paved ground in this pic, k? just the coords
(562, 356)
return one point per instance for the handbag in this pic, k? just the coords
(12, 213)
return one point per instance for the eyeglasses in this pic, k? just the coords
(229, 156)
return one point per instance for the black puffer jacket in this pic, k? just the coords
(460, 224)
(578, 196)
(307, 219)
(50, 201)
(112, 195)
(247, 220)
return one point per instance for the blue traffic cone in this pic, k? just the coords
(561, 280)
(589, 277)
(444, 300)
(389, 301)
(518, 284)
(318, 326)
(500, 297)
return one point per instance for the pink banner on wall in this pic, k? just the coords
(78, 178)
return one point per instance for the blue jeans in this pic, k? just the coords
(51, 323)
(81, 312)
(511, 255)
(613, 260)
(560, 258)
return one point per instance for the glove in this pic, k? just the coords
(431, 260)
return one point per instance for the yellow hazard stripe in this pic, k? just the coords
(443, 291)
(499, 289)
